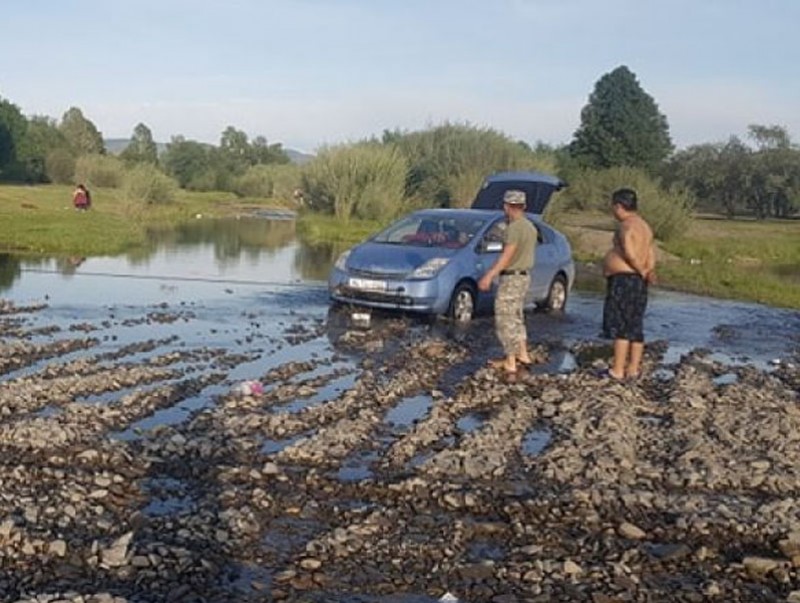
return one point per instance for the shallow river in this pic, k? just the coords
(253, 276)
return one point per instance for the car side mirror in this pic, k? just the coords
(492, 247)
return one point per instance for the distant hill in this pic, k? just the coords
(298, 157)
(115, 146)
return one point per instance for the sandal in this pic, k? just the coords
(607, 374)
(499, 364)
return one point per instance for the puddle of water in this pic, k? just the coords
(479, 550)
(469, 423)
(285, 536)
(408, 412)
(167, 497)
(172, 415)
(171, 505)
(249, 580)
(663, 374)
(274, 446)
(425, 455)
(325, 393)
(535, 441)
(49, 411)
(357, 467)
(560, 362)
(726, 379)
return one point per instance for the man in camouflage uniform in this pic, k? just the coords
(513, 267)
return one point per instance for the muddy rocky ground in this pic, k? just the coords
(561, 486)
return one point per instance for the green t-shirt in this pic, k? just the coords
(523, 233)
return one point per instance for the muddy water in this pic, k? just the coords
(245, 300)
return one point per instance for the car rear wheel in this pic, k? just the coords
(462, 304)
(557, 295)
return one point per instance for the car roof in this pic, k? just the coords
(463, 212)
(456, 212)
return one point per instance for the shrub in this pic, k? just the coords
(667, 211)
(145, 183)
(99, 171)
(59, 166)
(273, 181)
(449, 162)
(365, 180)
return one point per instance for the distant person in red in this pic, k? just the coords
(81, 198)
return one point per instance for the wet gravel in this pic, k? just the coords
(384, 464)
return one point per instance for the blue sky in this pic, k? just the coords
(312, 72)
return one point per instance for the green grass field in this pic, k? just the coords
(737, 259)
(41, 219)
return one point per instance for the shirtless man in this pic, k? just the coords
(629, 267)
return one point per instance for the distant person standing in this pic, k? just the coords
(513, 267)
(81, 198)
(629, 267)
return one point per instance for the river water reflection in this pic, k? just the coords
(179, 262)
(231, 265)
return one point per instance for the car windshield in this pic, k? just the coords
(426, 230)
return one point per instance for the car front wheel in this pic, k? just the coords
(462, 304)
(557, 295)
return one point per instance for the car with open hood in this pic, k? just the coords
(430, 261)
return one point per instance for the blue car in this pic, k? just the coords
(430, 261)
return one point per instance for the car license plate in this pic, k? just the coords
(367, 284)
(361, 319)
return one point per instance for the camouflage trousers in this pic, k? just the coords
(509, 319)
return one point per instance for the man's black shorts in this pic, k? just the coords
(623, 311)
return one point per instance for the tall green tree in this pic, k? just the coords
(13, 127)
(42, 139)
(264, 153)
(621, 126)
(141, 148)
(775, 186)
(81, 134)
(188, 161)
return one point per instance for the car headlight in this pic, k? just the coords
(430, 268)
(342, 260)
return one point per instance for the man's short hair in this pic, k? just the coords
(626, 197)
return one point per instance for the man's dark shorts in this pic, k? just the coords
(623, 311)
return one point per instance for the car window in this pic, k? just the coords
(432, 230)
(543, 236)
(496, 234)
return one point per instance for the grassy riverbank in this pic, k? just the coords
(739, 259)
(41, 219)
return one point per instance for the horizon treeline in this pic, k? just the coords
(623, 140)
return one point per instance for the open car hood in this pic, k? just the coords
(538, 189)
